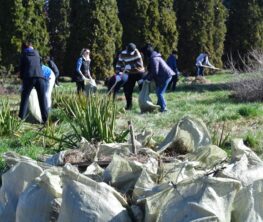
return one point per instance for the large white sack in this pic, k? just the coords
(86, 200)
(187, 135)
(34, 108)
(204, 199)
(144, 100)
(123, 174)
(14, 182)
(12, 158)
(248, 203)
(35, 203)
(90, 86)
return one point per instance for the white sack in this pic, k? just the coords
(191, 133)
(205, 199)
(86, 200)
(34, 108)
(144, 100)
(90, 86)
(35, 203)
(14, 182)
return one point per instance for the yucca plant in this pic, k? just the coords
(94, 119)
(9, 123)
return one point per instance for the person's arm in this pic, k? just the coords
(79, 64)
(153, 69)
(208, 63)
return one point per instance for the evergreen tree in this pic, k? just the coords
(149, 21)
(245, 27)
(100, 32)
(201, 25)
(21, 20)
(59, 29)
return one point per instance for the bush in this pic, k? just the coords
(9, 123)
(249, 111)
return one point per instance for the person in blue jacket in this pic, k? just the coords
(160, 72)
(32, 76)
(172, 63)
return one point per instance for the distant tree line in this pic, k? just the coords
(60, 28)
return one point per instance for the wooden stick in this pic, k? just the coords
(132, 137)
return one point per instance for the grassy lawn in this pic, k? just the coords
(210, 102)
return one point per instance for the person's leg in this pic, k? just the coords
(27, 87)
(160, 90)
(80, 86)
(128, 90)
(201, 71)
(41, 86)
(50, 86)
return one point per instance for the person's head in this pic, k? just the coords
(206, 53)
(26, 44)
(85, 52)
(174, 52)
(131, 48)
(147, 50)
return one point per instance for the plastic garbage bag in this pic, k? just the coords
(35, 203)
(90, 86)
(186, 136)
(203, 199)
(14, 182)
(12, 158)
(144, 100)
(34, 108)
(86, 200)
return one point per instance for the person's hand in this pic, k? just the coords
(117, 78)
(128, 67)
(140, 81)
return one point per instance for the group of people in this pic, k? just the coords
(130, 69)
(42, 74)
(38, 73)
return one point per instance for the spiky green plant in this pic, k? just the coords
(9, 123)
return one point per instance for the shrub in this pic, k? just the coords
(249, 111)
(9, 123)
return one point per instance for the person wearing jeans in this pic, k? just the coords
(160, 72)
(201, 62)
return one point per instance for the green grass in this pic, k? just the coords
(210, 102)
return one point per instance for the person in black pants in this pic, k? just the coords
(32, 76)
(172, 63)
(130, 61)
(82, 69)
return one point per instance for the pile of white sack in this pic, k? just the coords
(201, 185)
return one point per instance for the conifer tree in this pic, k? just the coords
(59, 29)
(201, 25)
(21, 20)
(245, 27)
(149, 21)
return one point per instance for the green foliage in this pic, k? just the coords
(94, 119)
(201, 25)
(249, 111)
(95, 25)
(9, 124)
(59, 30)
(21, 20)
(245, 27)
(149, 21)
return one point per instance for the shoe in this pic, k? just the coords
(164, 110)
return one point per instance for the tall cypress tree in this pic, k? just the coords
(245, 27)
(152, 21)
(201, 25)
(21, 20)
(100, 32)
(59, 29)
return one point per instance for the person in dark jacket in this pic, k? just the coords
(32, 76)
(52, 65)
(172, 63)
(82, 69)
(160, 72)
(130, 62)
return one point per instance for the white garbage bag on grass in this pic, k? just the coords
(86, 200)
(145, 102)
(35, 203)
(14, 182)
(204, 199)
(34, 108)
(186, 136)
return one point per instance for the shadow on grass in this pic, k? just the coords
(203, 87)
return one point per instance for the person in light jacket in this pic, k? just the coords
(160, 72)
(202, 61)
